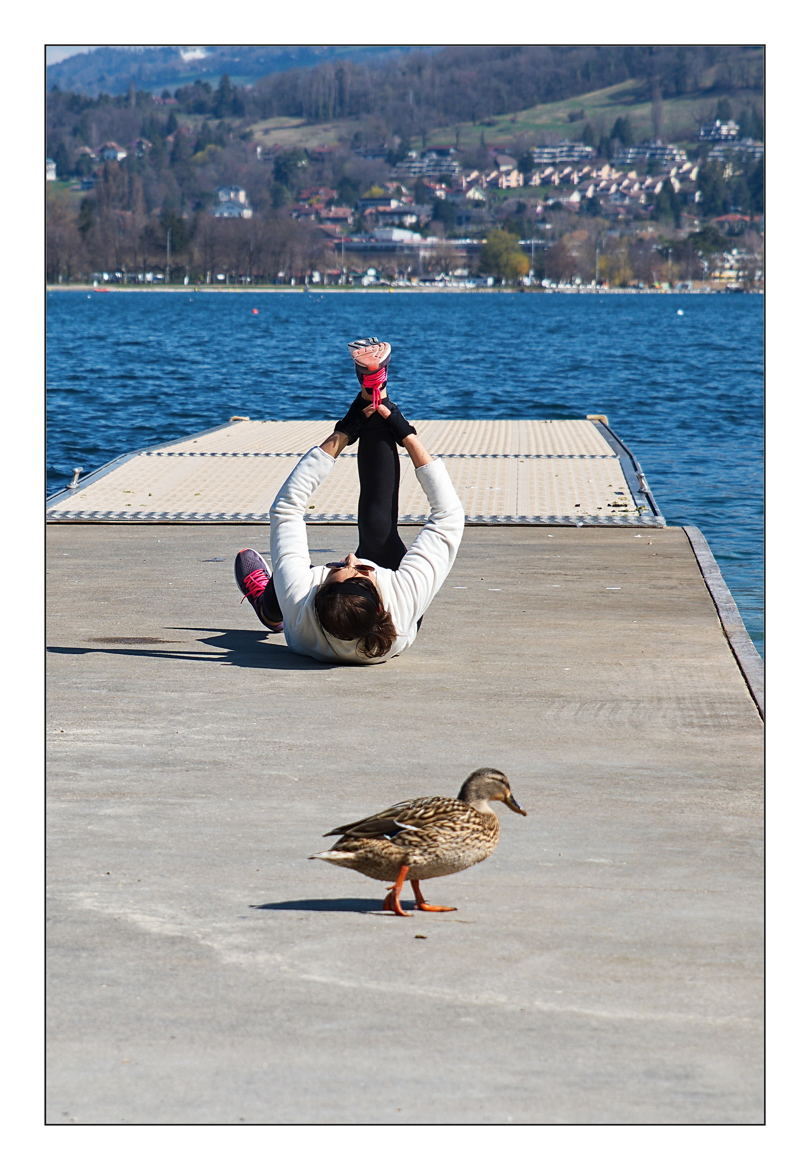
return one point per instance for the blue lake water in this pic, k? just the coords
(680, 378)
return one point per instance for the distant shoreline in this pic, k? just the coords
(318, 289)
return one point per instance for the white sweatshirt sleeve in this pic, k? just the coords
(289, 549)
(425, 566)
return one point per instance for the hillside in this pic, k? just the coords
(677, 117)
(420, 93)
(549, 121)
(113, 69)
(299, 170)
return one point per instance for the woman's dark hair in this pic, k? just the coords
(352, 610)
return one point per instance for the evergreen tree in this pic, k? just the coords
(667, 204)
(62, 159)
(755, 179)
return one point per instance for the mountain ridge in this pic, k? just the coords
(113, 69)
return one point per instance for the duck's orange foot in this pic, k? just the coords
(392, 897)
(392, 903)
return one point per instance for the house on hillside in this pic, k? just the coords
(232, 195)
(340, 216)
(474, 194)
(407, 215)
(659, 153)
(304, 211)
(393, 235)
(227, 209)
(430, 164)
(719, 131)
(738, 148)
(561, 152)
(375, 203)
(231, 203)
(112, 152)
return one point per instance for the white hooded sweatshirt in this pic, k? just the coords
(406, 592)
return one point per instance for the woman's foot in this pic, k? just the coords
(371, 357)
(370, 353)
(253, 577)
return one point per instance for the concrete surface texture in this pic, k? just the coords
(604, 966)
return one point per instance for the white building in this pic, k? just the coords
(657, 152)
(562, 152)
(112, 152)
(232, 203)
(718, 131)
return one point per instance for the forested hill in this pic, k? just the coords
(114, 69)
(418, 91)
(411, 91)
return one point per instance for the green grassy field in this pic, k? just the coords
(565, 119)
(290, 132)
(680, 118)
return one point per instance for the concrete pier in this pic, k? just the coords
(604, 966)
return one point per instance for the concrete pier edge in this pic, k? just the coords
(750, 663)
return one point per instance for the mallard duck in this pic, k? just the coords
(426, 837)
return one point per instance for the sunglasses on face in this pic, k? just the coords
(342, 565)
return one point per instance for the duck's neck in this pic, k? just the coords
(482, 805)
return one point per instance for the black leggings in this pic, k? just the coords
(377, 508)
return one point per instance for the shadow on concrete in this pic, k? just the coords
(351, 905)
(234, 648)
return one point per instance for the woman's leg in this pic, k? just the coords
(378, 507)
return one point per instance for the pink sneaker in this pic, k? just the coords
(371, 357)
(253, 576)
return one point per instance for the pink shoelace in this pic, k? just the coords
(375, 383)
(255, 584)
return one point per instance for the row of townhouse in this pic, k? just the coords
(655, 151)
(572, 176)
(430, 164)
(629, 191)
(740, 148)
(504, 173)
(562, 152)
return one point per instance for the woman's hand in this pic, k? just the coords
(419, 454)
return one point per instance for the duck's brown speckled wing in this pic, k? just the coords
(419, 813)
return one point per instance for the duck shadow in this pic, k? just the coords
(344, 905)
(244, 648)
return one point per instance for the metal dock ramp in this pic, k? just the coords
(506, 471)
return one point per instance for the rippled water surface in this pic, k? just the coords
(680, 378)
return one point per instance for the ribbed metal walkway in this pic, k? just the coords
(506, 471)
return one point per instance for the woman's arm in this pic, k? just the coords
(420, 456)
(335, 443)
(289, 549)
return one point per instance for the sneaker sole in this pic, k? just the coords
(369, 353)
